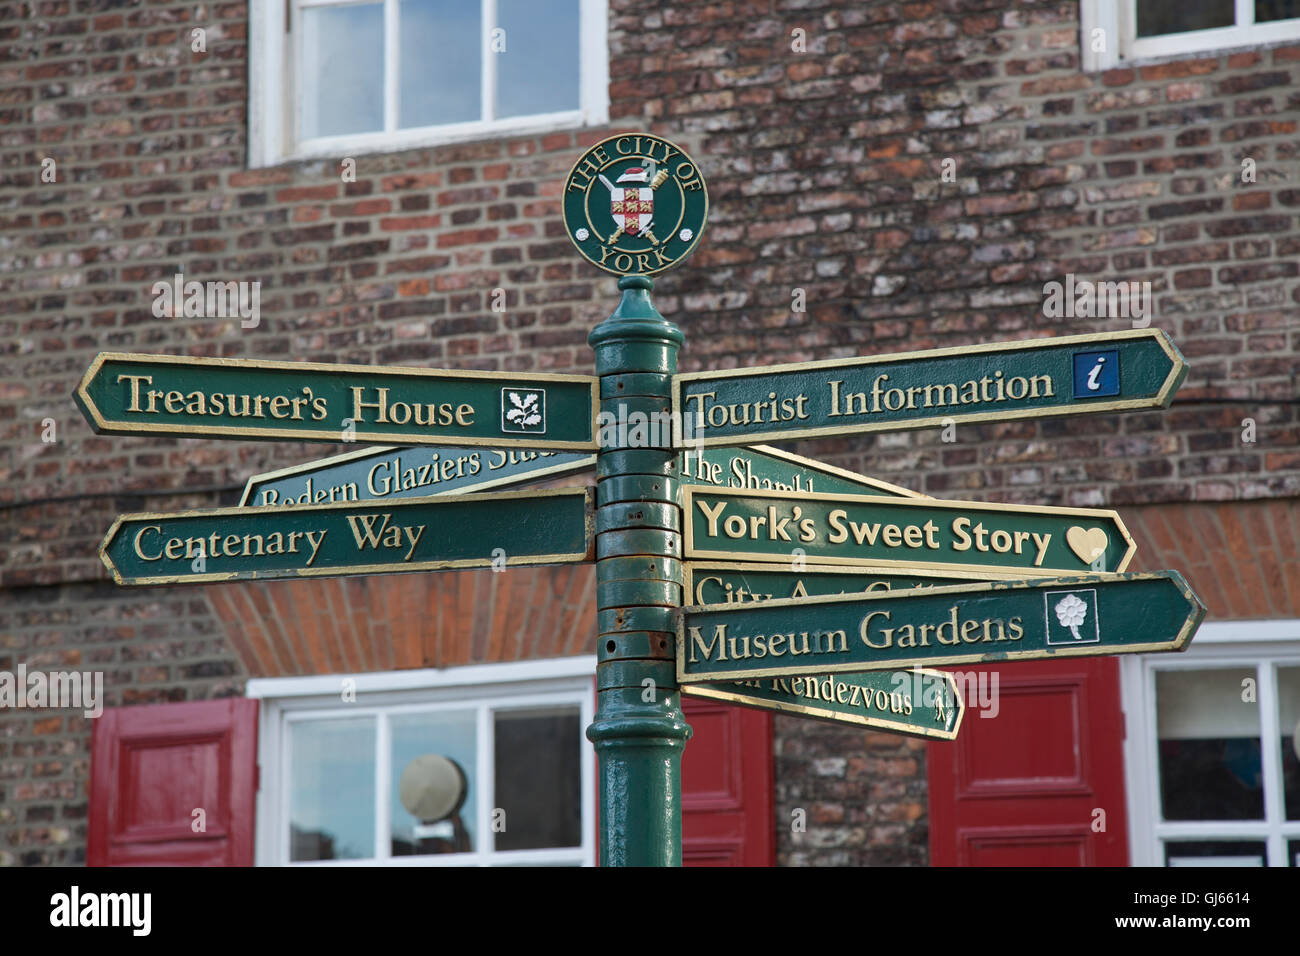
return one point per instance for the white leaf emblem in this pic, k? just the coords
(525, 411)
(1071, 612)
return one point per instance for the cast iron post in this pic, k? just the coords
(639, 731)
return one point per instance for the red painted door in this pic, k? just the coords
(174, 784)
(1042, 782)
(727, 786)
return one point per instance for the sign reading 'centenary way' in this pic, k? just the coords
(962, 624)
(635, 204)
(393, 472)
(1002, 540)
(418, 534)
(1073, 374)
(134, 394)
(916, 702)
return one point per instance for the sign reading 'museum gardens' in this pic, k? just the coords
(808, 588)
(959, 624)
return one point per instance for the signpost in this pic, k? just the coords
(826, 582)
(1070, 375)
(417, 534)
(130, 394)
(960, 624)
(917, 702)
(996, 539)
(392, 472)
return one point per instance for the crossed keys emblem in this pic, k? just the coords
(631, 201)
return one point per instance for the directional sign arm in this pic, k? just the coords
(1075, 374)
(503, 530)
(135, 394)
(963, 624)
(917, 702)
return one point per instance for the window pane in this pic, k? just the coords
(538, 70)
(1293, 852)
(433, 785)
(1210, 765)
(342, 75)
(1155, 17)
(1215, 853)
(1266, 10)
(1288, 695)
(441, 62)
(538, 778)
(332, 796)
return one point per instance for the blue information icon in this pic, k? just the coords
(1096, 374)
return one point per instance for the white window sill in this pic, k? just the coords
(353, 145)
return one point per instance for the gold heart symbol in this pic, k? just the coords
(1087, 543)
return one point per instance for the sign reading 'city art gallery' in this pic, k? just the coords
(501, 529)
(1103, 372)
(716, 582)
(1002, 540)
(915, 702)
(134, 394)
(962, 624)
(763, 468)
(394, 472)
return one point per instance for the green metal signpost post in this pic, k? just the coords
(652, 218)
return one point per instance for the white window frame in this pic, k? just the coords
(1118, 18)
(285, 700)
(1261, 645)
(272, 106)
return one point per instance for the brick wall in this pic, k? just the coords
(152, 646)
(825, 174)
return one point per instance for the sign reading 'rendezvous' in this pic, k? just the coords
(962, 624)
(1073, 374)
(916, 702)
(133, 394)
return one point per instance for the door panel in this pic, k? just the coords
(1042, 782)
(153, 767)
(727, 786)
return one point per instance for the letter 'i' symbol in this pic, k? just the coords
(1093, 384)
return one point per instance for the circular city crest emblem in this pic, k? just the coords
(635, 204)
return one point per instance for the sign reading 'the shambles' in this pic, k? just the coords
(1103, 372)
(132, 394)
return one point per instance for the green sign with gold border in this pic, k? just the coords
(133, 394)
(997, 540)
(915, 702)
(1075, 374)
(963, 624)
